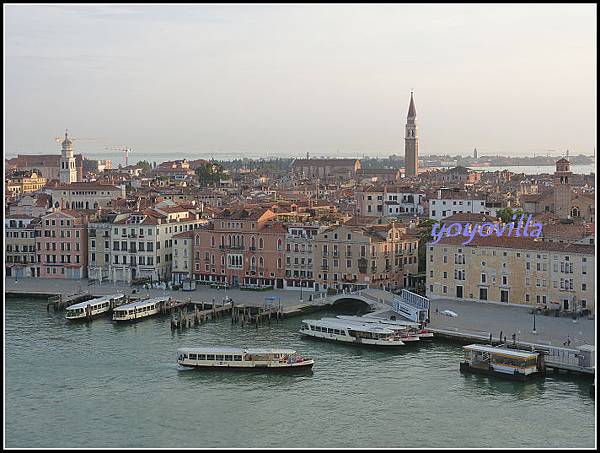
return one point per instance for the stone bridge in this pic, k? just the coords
(376, 299)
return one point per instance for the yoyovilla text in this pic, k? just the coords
(529, 229)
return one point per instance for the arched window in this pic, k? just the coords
(253, 242)
(278, 263)
(279, 244)
(261, 243)
(253, 262)
(575, 212)
(197, 241)
(261, 262)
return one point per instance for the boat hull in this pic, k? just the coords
(382, 345)
(295, 367)
(466, 368)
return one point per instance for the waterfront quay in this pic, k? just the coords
(474, 318)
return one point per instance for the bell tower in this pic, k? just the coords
(411, 141)
(67, 172)
(562, 188)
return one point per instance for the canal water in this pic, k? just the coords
(108, 385)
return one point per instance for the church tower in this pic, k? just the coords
(562, 188)
(67, 172)
(411, 141)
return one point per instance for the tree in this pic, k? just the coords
(146, 167)
(210, 173)
(424, 234)
(506, 214)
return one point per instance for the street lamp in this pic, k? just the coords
(534, 331)
(301, 290)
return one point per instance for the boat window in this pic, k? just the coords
(201, 356)
(219, 358)
(312, 327)
(336, 331)
(131, 312)
(210, 357)
(237, 358)
(228, 358)
(329, 330)
(342, 332)
(193, 356)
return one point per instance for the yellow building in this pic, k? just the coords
(25, 181)
(513, 270)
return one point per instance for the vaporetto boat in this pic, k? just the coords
(139, 309)
(405, 333)
(414, 328)
(94, 307)
(242, 358)
(349, 332)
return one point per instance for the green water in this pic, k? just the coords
(108, 385)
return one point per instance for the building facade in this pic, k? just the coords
(356, 257)
(61, 245)
(20, 250)
(299, 270)
(241, 247)
(513, 270)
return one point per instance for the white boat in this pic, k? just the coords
(402, 331)
(139, 309)
(414, 328)
(242, 358)
(348, 332)
(94, 307)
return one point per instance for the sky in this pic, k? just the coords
(332, 80)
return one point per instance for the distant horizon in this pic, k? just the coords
(280, 80)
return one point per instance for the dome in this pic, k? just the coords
(67, 141)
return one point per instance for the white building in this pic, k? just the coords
(450, 203)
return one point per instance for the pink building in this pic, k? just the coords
(61, 244)
(241, 247)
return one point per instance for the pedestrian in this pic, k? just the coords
(500, 336)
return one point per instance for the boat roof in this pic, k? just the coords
(373, 320)
(337, 323)
(229, 350)
(139, 303)
(97, 300)
(503, 351)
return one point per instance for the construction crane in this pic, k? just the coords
(125, 151)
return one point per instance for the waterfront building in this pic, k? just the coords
(85, 195)
(356, 257)
(19, 242)
(182, 256)
(61, 245)
(241, 247)
(450, 202)
(99, 248)
(25, 181)
(299, 271)
(515, 270)
(142, 242)
(561, 200)
(411, 141)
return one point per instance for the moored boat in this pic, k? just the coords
(408, 331)
(94, 307)
(414, 328)
(243, 358)
(139, 309)
(353, 333)
(500, 361)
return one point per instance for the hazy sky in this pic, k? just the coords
(287, 79)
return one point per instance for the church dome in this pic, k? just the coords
(67, 141)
